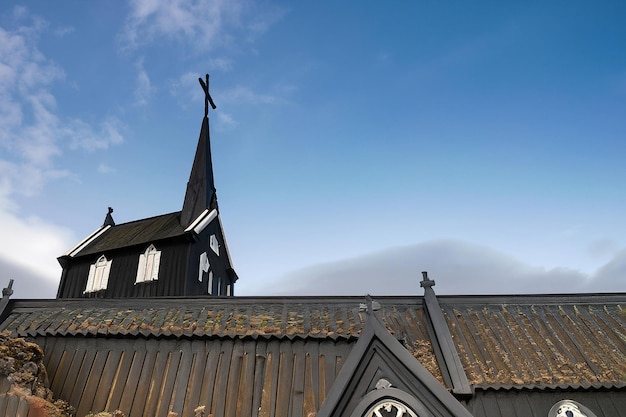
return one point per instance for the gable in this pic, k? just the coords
(379, 369)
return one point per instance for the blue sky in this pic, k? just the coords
(355, 144)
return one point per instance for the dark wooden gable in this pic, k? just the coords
(379, 369)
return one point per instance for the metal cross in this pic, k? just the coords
(207, 96)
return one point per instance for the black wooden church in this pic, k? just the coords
(145, 322)
(176, 254)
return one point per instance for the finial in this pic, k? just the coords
(369, 306)
(8, 291)
(207, 96)
(108, 220)
(426, 282)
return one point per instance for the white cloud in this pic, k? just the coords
(31, 130)
(83, 136)
(187, 89)
(241, 94)
(105, 169)
(226, 120)
(610, 276)
(209, 24)
(457, 267)
(223, 64)
(144, 89)
(30, 243)
(33, 135)
(199, 20)
(62, 31)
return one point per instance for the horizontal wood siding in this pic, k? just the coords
(229, 377)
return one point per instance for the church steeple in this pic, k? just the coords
(176, 254)
(200, 194)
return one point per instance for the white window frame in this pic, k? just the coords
(149, 263)
(98, 275)
(214, 244)
(204, 266)
(210, 283)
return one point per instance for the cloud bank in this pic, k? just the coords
(458, 268)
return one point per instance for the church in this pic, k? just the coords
(146, 323)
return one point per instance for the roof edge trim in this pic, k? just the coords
(230, 260)
(86, 241)
(442, 340)
(202, 221)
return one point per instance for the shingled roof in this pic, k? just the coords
(135, 233)
(280, 356)
(546, 341)
(502, 341)
(278, 317)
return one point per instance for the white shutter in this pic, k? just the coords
(204, 265)
(90, 278)
(210, 284)
(141, 269)
(105, 275)
(155, 265)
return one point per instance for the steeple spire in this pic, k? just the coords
(200, 194)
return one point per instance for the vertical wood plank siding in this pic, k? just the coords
(121, 284)
(230, 377)
(525, 403)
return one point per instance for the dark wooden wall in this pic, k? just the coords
(178, 273)
(537, 403)
(121, 284)
(219, 264)
(230, 377)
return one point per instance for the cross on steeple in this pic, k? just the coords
(207, 95)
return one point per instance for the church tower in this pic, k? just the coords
(176, 254)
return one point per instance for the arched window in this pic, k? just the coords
(389, 408)
(148, 269)
(98, 275)
(570, 408)
(385, 401)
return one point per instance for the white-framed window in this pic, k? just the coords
(390, 408)
(148, 269)
(570, 408)
(204, 266)
(210, 283)
(214, 244)
(98, 275)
